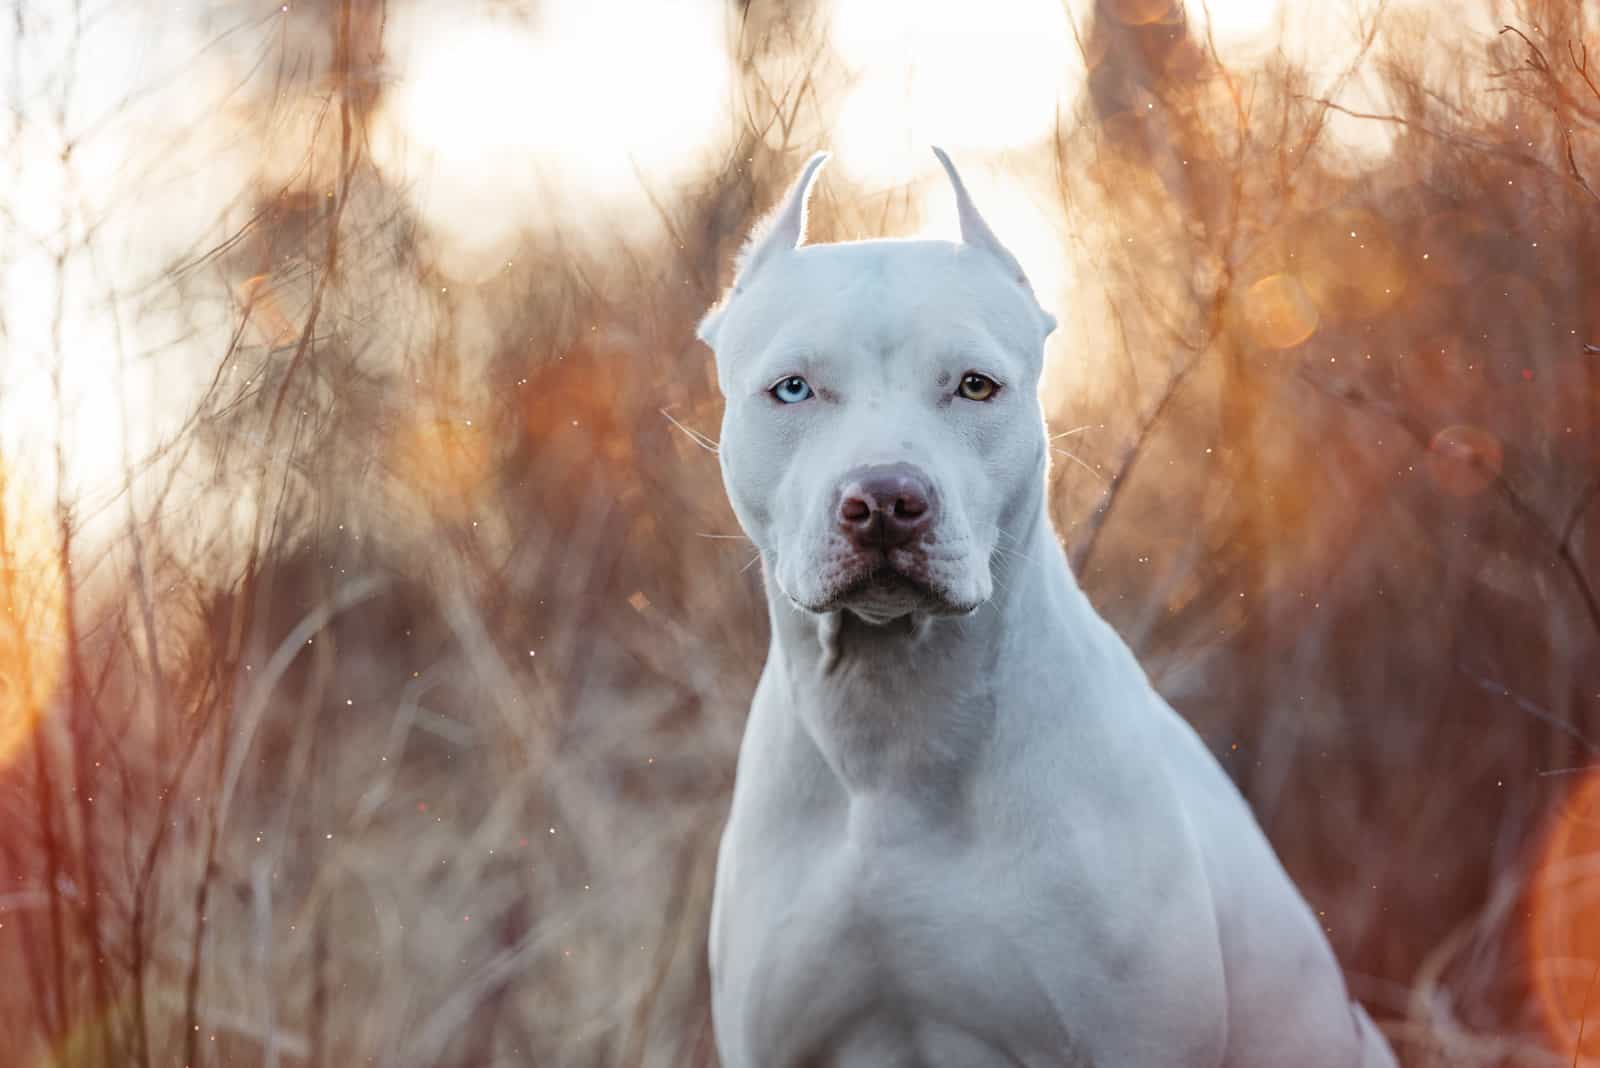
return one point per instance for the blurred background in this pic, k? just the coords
(375, 639)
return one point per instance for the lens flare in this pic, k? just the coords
(32, 643)
(1564, 925)
(1278, 312)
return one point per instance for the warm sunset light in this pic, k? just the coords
(96, 201)
(1033, 229)
(502, 124)
(433, 555)
(968, 77)
(57, 373)
(444, 462)
(1564, 925)
(31, 642)
(1235, 23)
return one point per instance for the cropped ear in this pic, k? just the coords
(781, 231)
(974, 231)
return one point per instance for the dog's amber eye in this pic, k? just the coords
(976, 387)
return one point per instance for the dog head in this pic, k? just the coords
(882, 439)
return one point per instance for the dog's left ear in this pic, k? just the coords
(780, 232)
(976, 232)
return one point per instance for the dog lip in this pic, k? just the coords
(883, 576)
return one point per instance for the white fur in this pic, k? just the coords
(965, 829)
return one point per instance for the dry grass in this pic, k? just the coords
(387, 713)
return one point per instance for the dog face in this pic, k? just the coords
(882, 440)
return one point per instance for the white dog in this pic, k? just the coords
(965, 829)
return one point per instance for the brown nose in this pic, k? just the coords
(886, 507)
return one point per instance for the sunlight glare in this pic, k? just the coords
(1237, 24)
(152, 166)
(31, 645)
(938, 72)
(1325, 39)
(504, 125)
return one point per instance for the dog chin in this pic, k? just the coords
(884, 594)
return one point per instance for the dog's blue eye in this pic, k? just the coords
(792, 390)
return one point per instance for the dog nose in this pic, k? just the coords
(886, 507)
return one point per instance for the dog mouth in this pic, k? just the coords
(881, 591)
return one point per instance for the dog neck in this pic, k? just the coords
(910, 706)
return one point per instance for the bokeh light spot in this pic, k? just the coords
(1278, 312)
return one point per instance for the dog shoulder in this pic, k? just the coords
(1281, 974)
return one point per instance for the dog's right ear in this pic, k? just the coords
(780, 232)
(976, 233)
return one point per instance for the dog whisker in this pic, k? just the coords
(1075, 459)
(692, 434)
(1008, 555)
(1069, 433)
(721, 537)
(1002, 534)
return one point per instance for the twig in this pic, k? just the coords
(1130, 462)
(1499, 689)
(1559, 543)
(349, 157)
(1541, 66)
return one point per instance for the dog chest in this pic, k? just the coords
(864, 952)
(878, 940)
